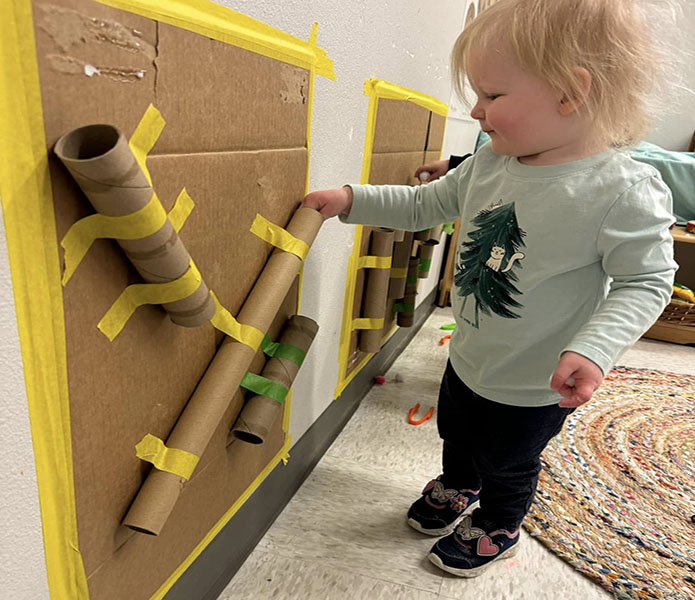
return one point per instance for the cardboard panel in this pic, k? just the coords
(238, 150)
(435, 135)
(400, 126)
(405, 137)
(395, 168)
(251, 102)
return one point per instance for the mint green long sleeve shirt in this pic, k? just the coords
(569, 257)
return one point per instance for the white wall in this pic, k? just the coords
(406, 42)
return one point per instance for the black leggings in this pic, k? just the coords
(495, 447)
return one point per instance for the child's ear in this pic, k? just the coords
(583, 81)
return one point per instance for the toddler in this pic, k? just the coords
(564, 258)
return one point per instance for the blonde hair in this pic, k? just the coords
(551, 38)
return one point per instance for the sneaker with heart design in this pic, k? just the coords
(440, 509)
(469, 550)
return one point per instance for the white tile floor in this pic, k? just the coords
(343, 536)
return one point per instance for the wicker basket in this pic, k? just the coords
(676, 323)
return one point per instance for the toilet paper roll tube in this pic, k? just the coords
(406, 318)
(260, 412)
(100, 160)
(399, 265)
(202, 415)
(425, 254)
(376, 290)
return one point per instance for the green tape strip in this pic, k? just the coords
(448, 228)
(277, 350)
(403, 307)
(424, 265)
(264, 387)
(448, 327)
(411, 280)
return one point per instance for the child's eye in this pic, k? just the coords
(492, 96)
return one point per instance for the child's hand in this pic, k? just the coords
(330, 202)
(436, 169)
(576, 378)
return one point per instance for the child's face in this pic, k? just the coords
(521, 112)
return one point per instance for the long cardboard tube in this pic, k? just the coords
(201, 417)
(260, 412)
(425, 253)
(376, 289)
(401, 256)
(423, 235)
(100, 160)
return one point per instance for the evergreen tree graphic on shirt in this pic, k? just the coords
(487, 262)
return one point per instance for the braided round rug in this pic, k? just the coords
(616, 497)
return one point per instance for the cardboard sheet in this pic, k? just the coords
(406, 135)
(238, 150)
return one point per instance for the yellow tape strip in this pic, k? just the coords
(368, 323)
(225, 322)
(399, 273)
(225, 25)
(172, 460)
(374, 262)
(81, 235)
(183, 207)
(278, 237)
(145, 137)
(147, 293)
(379, 88)
(29, 228)
(282, 455)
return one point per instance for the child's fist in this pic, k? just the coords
(434, 170)
(330, 202)
(576, 378)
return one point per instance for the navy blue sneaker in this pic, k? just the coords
(440, 509)
(470, 550)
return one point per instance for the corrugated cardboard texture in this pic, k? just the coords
(405, 137)
(236, 139)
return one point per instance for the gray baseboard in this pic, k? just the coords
(216, 565)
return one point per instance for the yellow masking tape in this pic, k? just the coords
(368, 323)
(147, 293)
(32, 254)
(171, 460)
(399, 273)
(383, 89)
(225, 25)
(374, 262)
(81, 235)
(278, 237)
(145, 136)
(225, 322)
(183, 207)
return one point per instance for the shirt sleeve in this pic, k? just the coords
(637, 254)
(407, 207)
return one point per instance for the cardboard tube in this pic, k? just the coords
(260, 412)
(101, 162)
(376, 289)
(201, 417)
(401, 256)
(436, 234)
(423, 235)
(406, 318)
(399, 235)
(425, 253)
(412, 279)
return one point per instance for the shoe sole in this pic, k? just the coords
(508, 553)
(444, 530)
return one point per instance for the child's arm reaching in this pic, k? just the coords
(330, 203)
(397, 206)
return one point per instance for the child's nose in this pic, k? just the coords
(477, 112)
